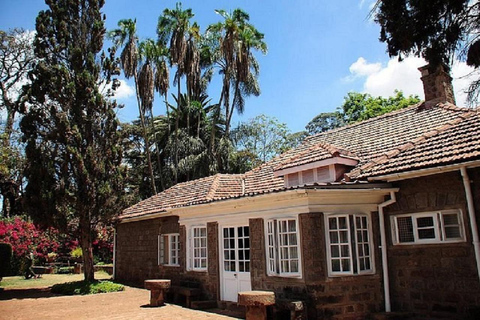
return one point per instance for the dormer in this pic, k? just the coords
(320, 163)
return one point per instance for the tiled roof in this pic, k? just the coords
(217, 187)
(455, 141)
(313, 153)
(374, 137)
(406, 139)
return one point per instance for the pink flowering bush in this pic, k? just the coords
(25, 237)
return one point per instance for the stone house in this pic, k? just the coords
(381, 215)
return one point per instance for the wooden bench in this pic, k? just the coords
(157, 291)
(256, 303)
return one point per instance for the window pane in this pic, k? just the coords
(452, 232)
(345, 251)
(405, 229)
(450, 219)
(335, 251)
(292, 226)
(332, 223)
(425, 222)
(333, 237)
(343, 236)
(336, 265)
(345, 265)
(426, 233)
(342, 223)
(292, 239)
(293, 253)
(294, 266)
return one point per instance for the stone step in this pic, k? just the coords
(204, 305)
(392, 316)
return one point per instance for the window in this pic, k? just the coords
(169, 249)
(349, 245)
(428, 227)
(283, 253)
(198, 247)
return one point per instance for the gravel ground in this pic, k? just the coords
(130, 304)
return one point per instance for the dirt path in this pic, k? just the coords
(130, 304)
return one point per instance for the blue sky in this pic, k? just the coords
(318, 51)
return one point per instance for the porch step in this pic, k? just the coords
(204, 305)
(392, 316)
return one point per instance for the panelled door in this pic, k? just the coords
(235, 261)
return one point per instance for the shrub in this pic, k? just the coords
(76, 253)
(25, 237)
(84, 287)
(65, 270)
(5, 257)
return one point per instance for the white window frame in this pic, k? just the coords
(352, 260)
(172, 256)
(274, 246)
(438, 225)
(193, 250)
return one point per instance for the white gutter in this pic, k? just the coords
(383, 246)
(471, 214)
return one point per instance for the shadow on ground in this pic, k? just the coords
(9, 294)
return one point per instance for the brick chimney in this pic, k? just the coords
(437, 85)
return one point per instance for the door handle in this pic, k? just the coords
(235, 275)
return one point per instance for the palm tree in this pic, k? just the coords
(174, 28)
(126, 36)
(236, 38)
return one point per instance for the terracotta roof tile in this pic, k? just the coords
(409, 138)
(457, 140)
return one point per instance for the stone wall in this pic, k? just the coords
(137, 255)
(327, 298)
(434, 279)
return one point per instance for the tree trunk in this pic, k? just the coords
(145, 136)
(157, 147)
(86, 244)
(9, 126)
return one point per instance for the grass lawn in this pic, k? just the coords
(47, 280)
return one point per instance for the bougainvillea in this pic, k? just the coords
(25, 237)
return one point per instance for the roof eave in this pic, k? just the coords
(424, 172)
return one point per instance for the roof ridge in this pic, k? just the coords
(385, 157)
(354, 124)
(213, 186)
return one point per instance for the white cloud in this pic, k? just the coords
(124, 91)
(381, 80)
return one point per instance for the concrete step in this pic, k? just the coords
(204, 305)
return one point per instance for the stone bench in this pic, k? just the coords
(187, 292)
(157, 291)
(256, 303)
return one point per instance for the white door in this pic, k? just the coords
(235, 261)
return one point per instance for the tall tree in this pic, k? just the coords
(437, 30)
(16, 60)
(236, 38)
(74, 169)
(126, 35)
(262, 136)
(174, 28)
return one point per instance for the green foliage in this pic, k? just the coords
(439, 31)
(263, 136)
(65, 270)
(86, 287)
(76, 253)
(358, 107)
(5, 256)
(74, 151)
